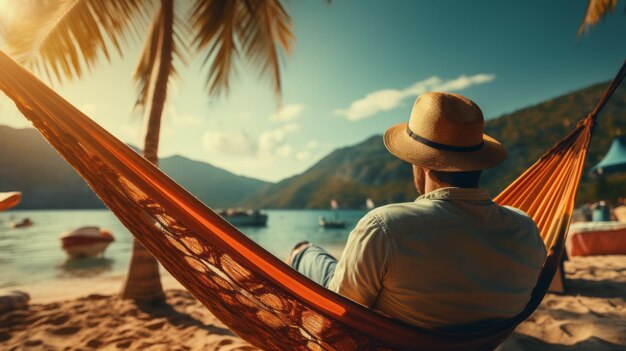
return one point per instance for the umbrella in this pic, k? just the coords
(615, 158)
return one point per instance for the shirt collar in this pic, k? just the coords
(467, 194)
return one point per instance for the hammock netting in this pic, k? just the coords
(257, 295)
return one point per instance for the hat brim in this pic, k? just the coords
(401, 145)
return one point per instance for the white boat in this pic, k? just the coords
(369, 204)
(240, 217)
(86, 242)
(331, 223)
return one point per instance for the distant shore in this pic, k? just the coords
(79, 314)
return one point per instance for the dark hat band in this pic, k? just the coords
(444, 147)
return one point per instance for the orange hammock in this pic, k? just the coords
(9, 200)
(255, 294)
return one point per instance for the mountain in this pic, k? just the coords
(352, 174)
(529, 132)
(29, 164)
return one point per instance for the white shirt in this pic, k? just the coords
(450, 258)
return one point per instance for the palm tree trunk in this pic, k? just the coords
(143, 281)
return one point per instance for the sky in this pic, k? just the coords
(356, 68)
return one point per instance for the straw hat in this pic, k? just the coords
(445, 133)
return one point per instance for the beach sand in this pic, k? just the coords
(87, 315)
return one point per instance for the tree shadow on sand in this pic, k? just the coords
(178, 318)
(595, 288)
(518, 342)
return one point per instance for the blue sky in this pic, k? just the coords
(355, 69)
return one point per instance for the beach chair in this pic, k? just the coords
(255, 294)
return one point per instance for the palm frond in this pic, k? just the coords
(596, 10)
(266, 29)
(63, 36)
(259, 28)
(214, 23)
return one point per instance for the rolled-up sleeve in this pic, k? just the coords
(361, 270)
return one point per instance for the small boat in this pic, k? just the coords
(332, 223)
(242, 217)
(26, 222)
(86, 242)
(336, 223)
(369, 204)
(9, 200)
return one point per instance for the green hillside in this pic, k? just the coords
(352, 174)
(31, 165)
(527, 133)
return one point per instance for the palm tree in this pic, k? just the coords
(63, 38)
(596, 10)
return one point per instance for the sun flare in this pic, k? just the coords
(7, 10)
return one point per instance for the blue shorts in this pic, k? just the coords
(316, 263)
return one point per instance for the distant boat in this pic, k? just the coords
(331, 223)
(242, 217)
(369, 204)
(86, 242)
(26, 222)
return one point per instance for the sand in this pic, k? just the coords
(592, 316)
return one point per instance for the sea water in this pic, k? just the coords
(34, 254)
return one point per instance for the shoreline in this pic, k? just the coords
(80, 314)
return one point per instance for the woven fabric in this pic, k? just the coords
(255, 294)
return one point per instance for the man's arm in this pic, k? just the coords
(361, 270)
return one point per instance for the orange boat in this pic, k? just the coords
(596, 238)
(86, 242)
(10, 199)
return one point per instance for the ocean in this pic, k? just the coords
(34, 254)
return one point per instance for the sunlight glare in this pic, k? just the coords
(7, 10)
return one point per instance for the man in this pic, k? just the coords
(620, 210)
(452, 258)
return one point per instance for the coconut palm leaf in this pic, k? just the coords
(265, 28)
(214, 22)
(67, 35)
(596, 10)
(259, 28)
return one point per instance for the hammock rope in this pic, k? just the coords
(255, 294)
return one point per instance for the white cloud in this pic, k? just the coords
(233, 143)
(464, 82)
(284, 150)
(288, 113)
(303, 155)
(312, 144)
(184, 119)
(272, 142)
(389, 99)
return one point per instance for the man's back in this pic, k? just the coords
(452, 257)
